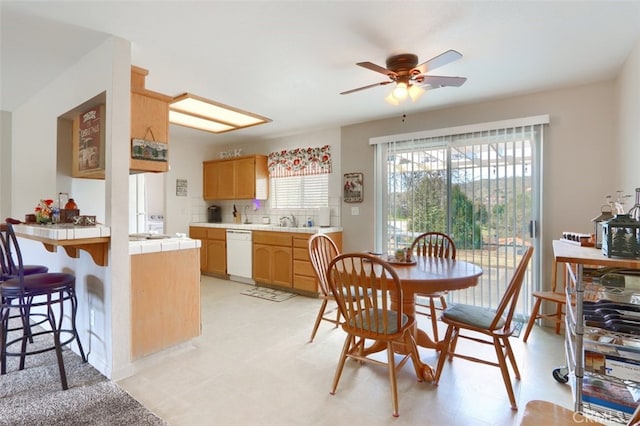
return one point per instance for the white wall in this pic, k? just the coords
(628, 160)
(5, 164)
(578, 144)
(34, 145)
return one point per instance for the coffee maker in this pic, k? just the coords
(214, 214)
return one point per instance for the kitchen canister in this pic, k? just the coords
(265, 220)
(324, 216)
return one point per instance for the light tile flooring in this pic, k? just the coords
(253, 365)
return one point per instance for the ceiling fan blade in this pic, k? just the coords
(438, 61)
(382, 83)
(377, 68)
(440, 81)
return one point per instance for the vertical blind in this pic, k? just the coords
(481, 187)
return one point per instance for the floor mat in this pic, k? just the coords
(268, 294)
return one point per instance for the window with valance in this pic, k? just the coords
(299, 178)
(300, 162)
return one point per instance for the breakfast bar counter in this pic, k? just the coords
(165, 292)
(92, 239)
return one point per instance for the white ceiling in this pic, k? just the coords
(290, 60)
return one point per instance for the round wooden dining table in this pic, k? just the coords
(427, 275)
(432, 275)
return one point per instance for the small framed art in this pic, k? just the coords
(353, 187)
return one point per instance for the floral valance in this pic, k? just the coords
(300, 162)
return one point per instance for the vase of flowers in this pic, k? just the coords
(44, 211)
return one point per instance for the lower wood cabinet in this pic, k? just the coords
(213, 251)
(165, 300)
(304, 277)
(272, 258)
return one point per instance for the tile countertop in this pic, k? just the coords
(164, 244)
(270, 227)
(63, 231)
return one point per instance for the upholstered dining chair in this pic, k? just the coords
(50, 292)
(433, 244)
(322, 249)
(363, 286)
(487, 327)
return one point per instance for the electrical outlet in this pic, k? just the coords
(355, 211)
(92, 318)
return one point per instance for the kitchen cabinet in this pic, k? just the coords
(240, 178)
(603, 359)
(165, 300)
(304, 277)
(273, 258)
(149, 120)
(213, 251)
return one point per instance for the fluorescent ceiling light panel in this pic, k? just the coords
(200, 113)
(194, 122)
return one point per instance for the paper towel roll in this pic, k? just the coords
(324, 216)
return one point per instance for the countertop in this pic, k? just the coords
(65, 234)
(164, 244)
(270, 227)
(63, 231)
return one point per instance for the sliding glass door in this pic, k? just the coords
(481, 188)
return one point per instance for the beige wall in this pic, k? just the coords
(628, 160)
(581, 134)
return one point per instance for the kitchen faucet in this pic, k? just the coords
(246, 218)
(290, 218)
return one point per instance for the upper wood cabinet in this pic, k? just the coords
(149, 120)
(239, 178)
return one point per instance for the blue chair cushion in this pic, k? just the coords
(379, 327)
(473, 315)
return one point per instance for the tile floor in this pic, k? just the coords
(253, 365)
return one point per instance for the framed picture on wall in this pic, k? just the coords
(353, 188)
(88, 144)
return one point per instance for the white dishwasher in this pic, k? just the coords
(239, 255)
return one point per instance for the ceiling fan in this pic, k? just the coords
(410, 78)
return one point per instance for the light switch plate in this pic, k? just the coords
(355, 211)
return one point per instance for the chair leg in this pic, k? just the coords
(318, 319)
(532, 320)
(444, 353)
(4, 314)
(391, 364)
(454, 342)
(505, 372)
(511, 357)
(434, 318)
(558, 317)
(349, 341)
(74, 312)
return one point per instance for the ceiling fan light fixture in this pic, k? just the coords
(415, 92)
(400, 92)
(391, 100)
(204, 114)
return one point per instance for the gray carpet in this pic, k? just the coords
(34, 396)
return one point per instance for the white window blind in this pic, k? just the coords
(297, 192)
